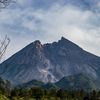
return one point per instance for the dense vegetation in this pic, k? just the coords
(44, 94)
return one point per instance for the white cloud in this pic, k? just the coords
(75, 24)
(26, 25)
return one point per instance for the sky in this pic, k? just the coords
(48, 20)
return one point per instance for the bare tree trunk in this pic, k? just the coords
(3, 46)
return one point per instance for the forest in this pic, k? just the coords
(37, 93)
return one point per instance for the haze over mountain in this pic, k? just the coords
(50, 63)
(28, 20)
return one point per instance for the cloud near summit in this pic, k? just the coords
(28, 20)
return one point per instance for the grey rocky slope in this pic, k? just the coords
(49, 62)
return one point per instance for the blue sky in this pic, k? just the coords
(48, 20)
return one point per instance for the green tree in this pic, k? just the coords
(93, 95)
(62, 94)
(37, 93)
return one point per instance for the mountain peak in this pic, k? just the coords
(67, 43)
(63, 39)
(37, 44)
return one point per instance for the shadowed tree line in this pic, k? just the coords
(37, 93)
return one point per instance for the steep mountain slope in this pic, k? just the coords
(49, 63)
(71, 82)
(80, 81)
(30, 84)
